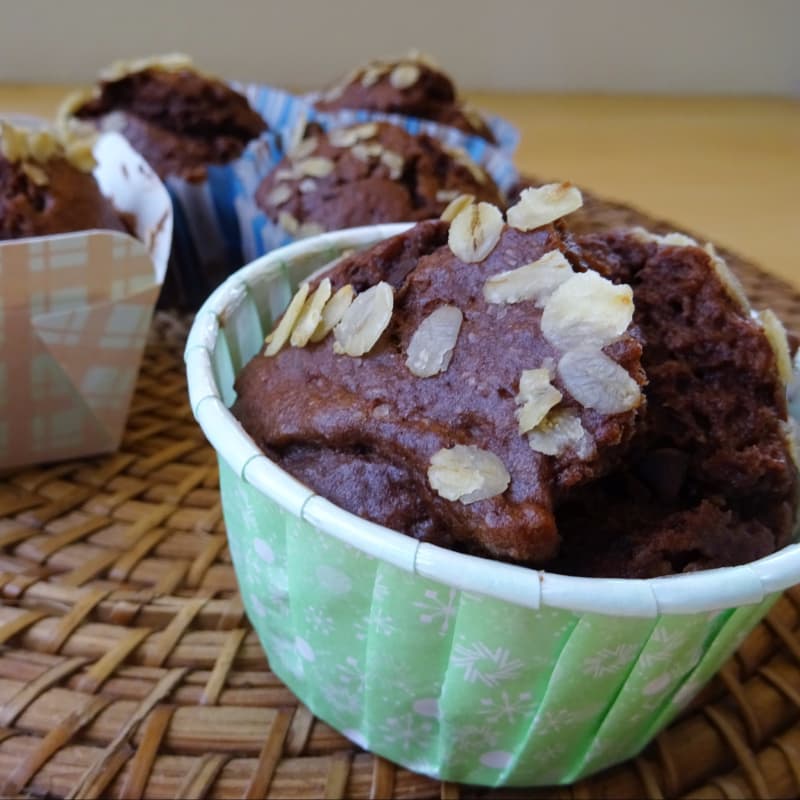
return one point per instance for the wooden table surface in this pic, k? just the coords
(726, 166)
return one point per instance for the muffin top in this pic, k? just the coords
(711, 479)
(480, 374)
(601, 405)
(47, 186)
(178, 118)
(368, 173)
(413, 86)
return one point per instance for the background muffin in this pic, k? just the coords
(178, 118)
(413, 86)
(198, 134)
(368, 173)
(47, 186)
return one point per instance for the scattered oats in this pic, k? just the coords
(372, 74)
(477, 173)
(311, 314)
(674, 239)
(304, 148)
(288, 222)
(587, 309)
(536, 281)
(394, 163)
(315, 166)
(363, 152)
(296, 133)
(475, 232)
(79, 153)
(467, 473)
(460, 156)
(35, 173)
(731, 283)
(364, 320)
(473, 117)
(431, 347)
(404, 75)
(597, 381)
(279, 195)
(347, 137)
(776, 336)
(278, 338)
(21, 144)
(286, 174)
(536, 397)
(456, 206)
(446, 195)
(544, 204)
(678, 240)
(71, 103)
(559, 432)
(13, 142)
(381, 411)
(309, 228)
(334, 93)
(170, 62)
(425, 59)
(42, 146)
(333, 312)
(307, 185)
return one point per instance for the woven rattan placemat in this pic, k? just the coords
(128, 668)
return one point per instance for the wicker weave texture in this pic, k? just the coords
(128, 668)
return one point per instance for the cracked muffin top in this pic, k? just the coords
(413, 86)
(368, 173)
(178, 118)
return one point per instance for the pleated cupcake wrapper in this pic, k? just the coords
(75, 309)
(457, 667)
(213, 219)
(286, 114)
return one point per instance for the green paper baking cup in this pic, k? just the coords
(458, 667)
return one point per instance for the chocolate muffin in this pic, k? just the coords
(368, 173)
(480, 374)
(602, 405)
(178, 118)
(413, 86)
(710, 479)
(47, 186)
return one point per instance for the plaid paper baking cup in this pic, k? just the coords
(286, 114)
(458, 667)
(75, 310)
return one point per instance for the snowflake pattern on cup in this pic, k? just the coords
(461, 687)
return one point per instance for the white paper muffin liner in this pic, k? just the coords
(462, 668)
